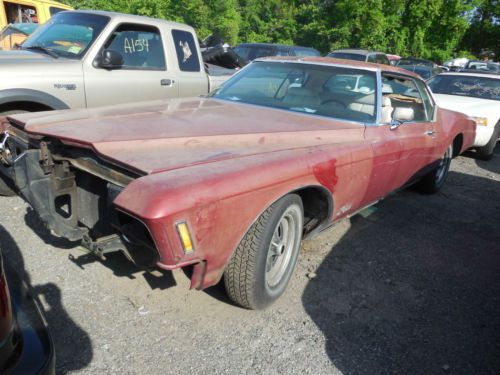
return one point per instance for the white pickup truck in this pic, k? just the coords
(84, 59)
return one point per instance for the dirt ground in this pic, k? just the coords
(410, 287)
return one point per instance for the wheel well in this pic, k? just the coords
(24, 106)
(457, 145)
(318, 206)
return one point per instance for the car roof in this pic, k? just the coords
(133, 18)
(272, 45)
(356, 51)
(340, 62)
(472, 73)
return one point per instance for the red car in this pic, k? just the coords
(230, 184)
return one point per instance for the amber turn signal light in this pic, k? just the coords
(185, 237)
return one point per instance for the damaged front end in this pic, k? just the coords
(73, 192)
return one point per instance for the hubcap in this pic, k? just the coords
(282, 247)
(443, 166)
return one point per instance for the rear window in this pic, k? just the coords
(254, 52)
(186, 50)
(55, 10)
(347, 56)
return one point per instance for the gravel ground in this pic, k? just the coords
(410, 287)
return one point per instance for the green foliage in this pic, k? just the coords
(435, 29)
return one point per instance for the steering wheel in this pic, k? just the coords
(334, 101)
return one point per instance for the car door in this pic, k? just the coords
(144, 74)
(417, 136)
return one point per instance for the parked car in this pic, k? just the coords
(424, 68)
(456, 64)
(29, 11)
(478, 96)
(85, 59)
(393, 59)
(483, 66)
(360, 55)
(25, 343)
(15, 34)
(229, 184)
(251, 51)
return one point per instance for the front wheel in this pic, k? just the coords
(486, 152)
(263, 263)
(434, 180)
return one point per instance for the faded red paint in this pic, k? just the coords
(218, 165)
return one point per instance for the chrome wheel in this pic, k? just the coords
(443, 166)
(284, 243)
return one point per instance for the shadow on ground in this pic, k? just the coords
(73, 346)
(415, 287)
(492, 165)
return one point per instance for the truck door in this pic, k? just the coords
(144, 74)
(192, 79)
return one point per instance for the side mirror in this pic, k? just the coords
(400, 115)
(109, 59)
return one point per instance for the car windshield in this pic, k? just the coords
(68, 34)
(483, 65)
(329, 91)
(465, 85)
(347, 56)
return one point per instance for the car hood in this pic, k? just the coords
(157, 136)
(470, 106)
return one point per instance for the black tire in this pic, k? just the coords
(257, 275)
(6, 187)
(486, 152)
(434, 180)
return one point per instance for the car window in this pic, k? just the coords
(402, 92)
(371, 58)
(306, 52)
(313, 89)
(68, 34)
(347, 56)
(426, 97)
(464, 85)
(55, 10)
(140, 46)
(187, 51)
(382, 59)
(20, 13)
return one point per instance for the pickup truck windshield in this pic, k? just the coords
(67, 34)
(329, 91)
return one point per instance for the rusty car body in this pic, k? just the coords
(195, 182)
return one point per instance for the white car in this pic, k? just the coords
(478, 96)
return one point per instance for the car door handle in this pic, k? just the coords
(167, 82)
(430, 132)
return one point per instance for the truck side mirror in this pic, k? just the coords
(109, 59)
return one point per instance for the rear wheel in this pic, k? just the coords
(263, 263)
(434, 180)
(486, 152)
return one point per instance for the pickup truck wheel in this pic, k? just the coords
(263, 263)
(434, 180)
(486, 152)
(6, 187)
